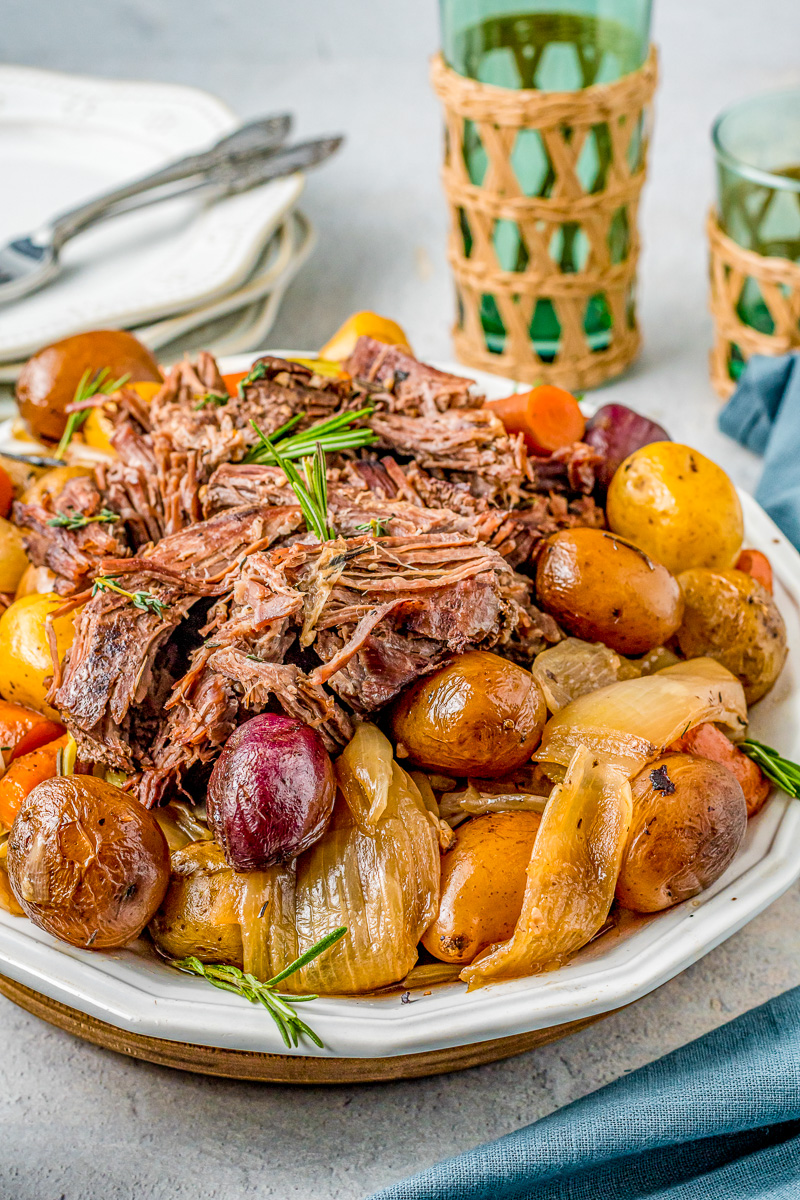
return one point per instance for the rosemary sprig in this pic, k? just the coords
(144, 600)
(312, 496)
(215, 398)
(77, 520)
(333, 433)
(780, 770)
(277, 1004)
(377, 526)
(100, 383)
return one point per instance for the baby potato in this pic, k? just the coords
(479, 715)
(198, 915)
(689, 819)
(87, 862)
(51, 484)
(729, 616)
(48, 381)
(483, 883)
(25, 650)
(603, 589)
(13, 559)
(35, 581)
(678, 505)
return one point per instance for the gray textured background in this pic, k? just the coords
(81, 1124)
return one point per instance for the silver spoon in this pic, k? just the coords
(31, 260)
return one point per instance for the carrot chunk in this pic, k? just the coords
(548, 417)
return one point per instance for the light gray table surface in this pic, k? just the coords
(78, 1123)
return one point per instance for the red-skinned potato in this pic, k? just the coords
(271, 792)
(48, 380)
(87, 863)
(689, 819)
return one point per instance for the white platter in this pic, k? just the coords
(132, 991)
(64, 139)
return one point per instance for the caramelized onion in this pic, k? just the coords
(572, 873)
(633, 721)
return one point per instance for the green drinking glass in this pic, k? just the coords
(757, 150)
(551, 47)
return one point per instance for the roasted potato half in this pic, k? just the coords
(602, 588)
(729, 616)
(689, 819)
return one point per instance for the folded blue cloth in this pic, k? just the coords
(718, 1119)
(764, 415)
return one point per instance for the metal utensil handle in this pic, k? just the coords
(231, 178)
(255, 137)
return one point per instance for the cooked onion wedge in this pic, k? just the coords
(631, 722)
(572, 873)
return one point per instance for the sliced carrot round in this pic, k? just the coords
(757, 566)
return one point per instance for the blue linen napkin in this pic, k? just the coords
(764, 415)
(718, 1119)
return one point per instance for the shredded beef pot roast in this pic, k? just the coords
(432, 526)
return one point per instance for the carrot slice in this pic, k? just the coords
(23, 776)
(758, 566)
(6, 492)
(706, 741)
(548, 417)
(233, 380)
(22, 729)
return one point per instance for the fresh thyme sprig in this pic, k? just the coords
(334, 433)
(780, 770)
(77, 520)
(256, 372)
(277, 1004)
(215, 398)
(377, 526)
(144, 600)
(99, 384)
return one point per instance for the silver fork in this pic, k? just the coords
(249, 156)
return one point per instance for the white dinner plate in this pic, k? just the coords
(66, 138)
(133, 991)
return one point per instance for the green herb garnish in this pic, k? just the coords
(144, 600)
(377, 526)
(312, 496)
(277, 1004)
(99, 384)
(77, 520)
(334, 433)
(780, 770)
(215, 398)
(256, 372)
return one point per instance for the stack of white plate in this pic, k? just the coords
(180, 275)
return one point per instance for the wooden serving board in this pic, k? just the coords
(279, 1068)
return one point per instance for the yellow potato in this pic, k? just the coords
(13, 559)
(729, 616)
(678, 506)
(25, 650)
(98, 427)
(52, 483)
(363, 324)
(483, 883)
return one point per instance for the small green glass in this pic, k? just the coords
(551, 47)
(757, 149)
